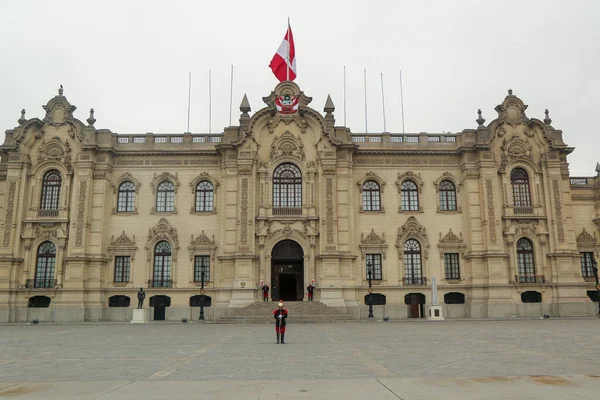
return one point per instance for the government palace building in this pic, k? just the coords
(491, 214)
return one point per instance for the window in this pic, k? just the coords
(126, 199)
(520, 185)
(451, 266)
(525, 261)
(287, 187)
(201, 264)
(165, 199)
(39, 302)
(587, 270)
(447, 196)
(412, 263)
(51, 190)
(371, 196)
(122, 265)
(531, 297)
(454, 298)
(204, 196)
(119, 300)
(44, 268)
(409, 196)
(373, 262)
(162, 265)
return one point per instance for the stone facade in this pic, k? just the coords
(88, 216)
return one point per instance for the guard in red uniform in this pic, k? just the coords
(310, 289)
(280, 314)
(265, 290)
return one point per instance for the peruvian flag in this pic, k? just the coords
(283, 63)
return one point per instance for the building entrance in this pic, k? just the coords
(287, 271)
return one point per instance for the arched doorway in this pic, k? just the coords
(287, 271)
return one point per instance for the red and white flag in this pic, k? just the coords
(283, 63)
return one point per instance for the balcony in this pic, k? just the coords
(523, 210)
(530, 278)
(40, 283)
(49, 213)
(157, 283)
(285, 211)
(414, 280)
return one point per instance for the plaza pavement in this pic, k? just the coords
(512, 359)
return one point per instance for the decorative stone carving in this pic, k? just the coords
(412, 229)
(80, 213)
(373, 244)
(165, 176)
(513, 150)
(123, 178)
(122, 245)
(585, 238)
(489, 190)
(55, 150)
(162, 231)
(287, 145)
(451, 243)
(244, 212)
(329, 212)
(10, 208)
(409, 175)
(558, 210)
(287, 231)
(202, 244)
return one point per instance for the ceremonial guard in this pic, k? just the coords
(265, 290)
(280, 314)
(311, 290)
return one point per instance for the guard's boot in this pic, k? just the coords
(278, 338)
(282, 336)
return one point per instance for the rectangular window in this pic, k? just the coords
(201, 264)
(122, 265)
(587, 270)
(451, 266)
(373, 262)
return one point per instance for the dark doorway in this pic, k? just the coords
(159, 313)
(416, 305)
(287, 271)
(160, 303)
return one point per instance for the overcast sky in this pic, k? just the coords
(129, 60)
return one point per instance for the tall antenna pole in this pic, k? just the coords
(366, 126)
(288, 63)
(383, 102)
(401, 102)
(344, 95)
(209, 103)
(189, 100)
(230, 94)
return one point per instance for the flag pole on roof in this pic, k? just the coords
(283, 63)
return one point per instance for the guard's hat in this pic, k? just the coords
(280, 303)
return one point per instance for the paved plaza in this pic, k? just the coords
(518, 359)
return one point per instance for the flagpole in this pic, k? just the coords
(365, 79)
(189, 100)
(344, 95)
(288, 64)
(383, 102)
(209, 103)
(401, 102)
(230, 95)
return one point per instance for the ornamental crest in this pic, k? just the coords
(287, 145)
(451, 238)
(203, 240)
(55, 150)
(122, 241)
(585, 237)
(287, 104)
(372, 238)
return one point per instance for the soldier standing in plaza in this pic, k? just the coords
(265, 290)
(311, 289)
(280, 314)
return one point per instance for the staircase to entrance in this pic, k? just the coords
(299, 312)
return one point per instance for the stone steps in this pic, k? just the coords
(300, 312)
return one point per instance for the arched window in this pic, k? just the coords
(409, 196)
(45, 265)
(51, 190)
(521, 194)
(371, 196)
(413, 274)
(204, 196)
(126, 199)
(287, 187)
(525, 261)
(165, 198)
(447, 196)
(162, 265)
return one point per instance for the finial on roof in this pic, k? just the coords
(329, 107)
(547, 120)
(60, 91)
(598, 168)
(245, 105)
(480, 120)
(91, 120)
(510, 92)
(22, 120)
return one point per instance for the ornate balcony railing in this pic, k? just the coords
(523, 210)
(414, 280)
(158, 283)
(49, 213)
(578, 181)
(527, 278)
(40, 283)
(287, 211)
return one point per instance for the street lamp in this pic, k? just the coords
(595, 267)
(202, 292)
(369, 273)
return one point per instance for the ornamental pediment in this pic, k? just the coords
(585, 237)
(287, 145)
(55, 150)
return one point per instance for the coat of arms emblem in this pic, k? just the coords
(287, 104)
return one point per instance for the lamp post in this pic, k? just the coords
(595, 267)
(369, 273)
(202, 292)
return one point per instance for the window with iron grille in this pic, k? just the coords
(162, 265)
(520, 185)
(165, 197)
(204, 196)
(412, 262)
(287, 187)
(409, 196)
(373, 262)
(525, 261)
(122, 266)
(51, 190)
(371, 196)
(451, 265)
(587, 270)
(45, 265)
(126, 199)
(201, 264)
(447, 196)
